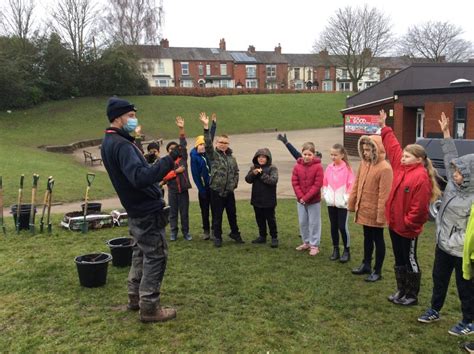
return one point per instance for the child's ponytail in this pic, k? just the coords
(342, 150)
(435, 191)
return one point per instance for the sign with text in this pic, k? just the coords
(361, 124)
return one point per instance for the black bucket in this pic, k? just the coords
(92, 269)
(92, 208)
(25, 210)
(121, 249)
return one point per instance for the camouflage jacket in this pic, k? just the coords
(224, 169)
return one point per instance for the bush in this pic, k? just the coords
(212, 92)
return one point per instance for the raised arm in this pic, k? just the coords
(447, 145)
(293, 151)
(213, 126)
(390, 142)
(207, 136)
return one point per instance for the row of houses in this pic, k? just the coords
(166, 66)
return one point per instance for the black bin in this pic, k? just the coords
(92, 269)
(92, 208)
(25, 211)
(121, 249)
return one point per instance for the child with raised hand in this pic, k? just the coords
(307, 180)
(264, 178)
(337, 185)
(414, 186)
(451, 224)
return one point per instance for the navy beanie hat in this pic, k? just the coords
(116, 107)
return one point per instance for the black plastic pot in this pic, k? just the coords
(92, 269)
(121, 249)
(25, 210)
(92, 208)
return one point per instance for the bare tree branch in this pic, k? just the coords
(18, 18)
(355, 35)
(74, 19)
(134, 21)
(437, 41)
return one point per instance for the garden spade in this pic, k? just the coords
(90, 177)
(1, 208)
(33, 202)
(18, 204)
(45, 204)
(48, 217)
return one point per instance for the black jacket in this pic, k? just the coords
(264, 184)
(134, 180)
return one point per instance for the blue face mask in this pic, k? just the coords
(131, 125)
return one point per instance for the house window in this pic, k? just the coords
(327, 85)
(297, 73)
(184, 68)
(187, 83)
(201, 70)
(227, 84)
(161, 83)
(344, 86)
(344, 74)
(161, 67)
(459, 123)
(387, 73)
(299, 85)
(223, 69)
(208, 69)
(251, 83)
(272, 85)
(271, 71)
(251, 71)
(327, 74)
(146, 67)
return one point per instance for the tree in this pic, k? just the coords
(355, 36)
(18, 18)
(132, 22)
(74, 19)
(437, 41)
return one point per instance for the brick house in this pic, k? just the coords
(414, 99)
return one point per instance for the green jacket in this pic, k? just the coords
(224, 169)
(468, 257)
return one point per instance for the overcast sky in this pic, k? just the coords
(294, 23)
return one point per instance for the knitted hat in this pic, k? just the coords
(199, 140)
(117, 107)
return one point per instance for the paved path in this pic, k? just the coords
(244, 147)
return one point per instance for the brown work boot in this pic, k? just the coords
(161, 314)
(133, 302)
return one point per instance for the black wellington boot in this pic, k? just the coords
(400, 276)
(335, 254)
(412, 289)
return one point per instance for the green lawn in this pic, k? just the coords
(73, 120)
(240, 298)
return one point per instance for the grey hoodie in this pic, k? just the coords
(453, 214)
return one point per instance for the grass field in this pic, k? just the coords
(240, 298)
(73, 120)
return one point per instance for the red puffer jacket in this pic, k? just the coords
(408, 203)
(307, 180)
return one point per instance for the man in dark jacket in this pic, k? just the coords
(135, 182)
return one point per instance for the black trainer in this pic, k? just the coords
(346, 256)
(335, 254)
(260, 239)
(364, 268)
(236, 237)
(274, 243)
(218, 242)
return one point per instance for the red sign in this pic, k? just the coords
(361, 124)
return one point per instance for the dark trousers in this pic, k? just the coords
(265, 216)
(404, 251)
(205, 205)
(373, 237)
(218, 205)
(338, 218)
(444, 264)
(179, 202)
(149, 258)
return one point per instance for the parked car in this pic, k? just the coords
(434, 152)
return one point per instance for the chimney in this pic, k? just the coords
(222, 44)
(278, 49)
(324, 53)
(164, 43)
(251, 49)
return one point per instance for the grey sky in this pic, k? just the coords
(295, 24)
